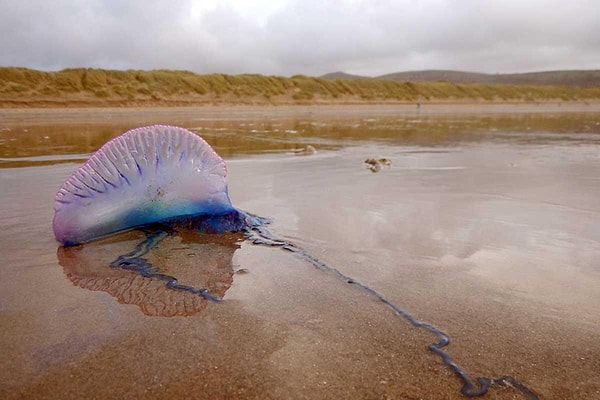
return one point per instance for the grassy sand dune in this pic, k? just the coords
(22, 87)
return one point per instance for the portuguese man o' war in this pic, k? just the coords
(159, 178)
(147, 175)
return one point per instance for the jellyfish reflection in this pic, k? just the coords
(179, 267)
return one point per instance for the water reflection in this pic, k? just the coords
(194, 259)
(36, 141)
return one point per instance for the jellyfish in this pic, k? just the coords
(159, 179)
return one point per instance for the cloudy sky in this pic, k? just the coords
(312, 37)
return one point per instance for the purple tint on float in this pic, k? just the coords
(146, 175)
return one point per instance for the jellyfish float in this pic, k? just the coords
(160, 178)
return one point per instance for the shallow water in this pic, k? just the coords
(485, 225)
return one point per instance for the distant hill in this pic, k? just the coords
(586, 78)
(342, 75)
(583, 78)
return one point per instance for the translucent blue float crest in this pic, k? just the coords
(147, 175)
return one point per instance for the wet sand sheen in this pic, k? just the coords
(491, 241)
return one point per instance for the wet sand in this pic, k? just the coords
(221, 112)
(490, 234)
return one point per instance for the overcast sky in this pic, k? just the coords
(367, 37)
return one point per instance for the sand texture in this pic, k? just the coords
(484, 224)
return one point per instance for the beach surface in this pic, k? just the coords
(485, 225)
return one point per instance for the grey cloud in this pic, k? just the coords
(310, 37)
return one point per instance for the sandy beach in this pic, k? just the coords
(232, 111)
(485, 225)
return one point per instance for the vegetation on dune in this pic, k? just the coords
(86, 86)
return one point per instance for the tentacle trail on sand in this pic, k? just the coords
(258, 235)
(261, 236)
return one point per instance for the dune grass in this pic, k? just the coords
(98, 87)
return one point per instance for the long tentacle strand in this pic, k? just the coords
(260, 236)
